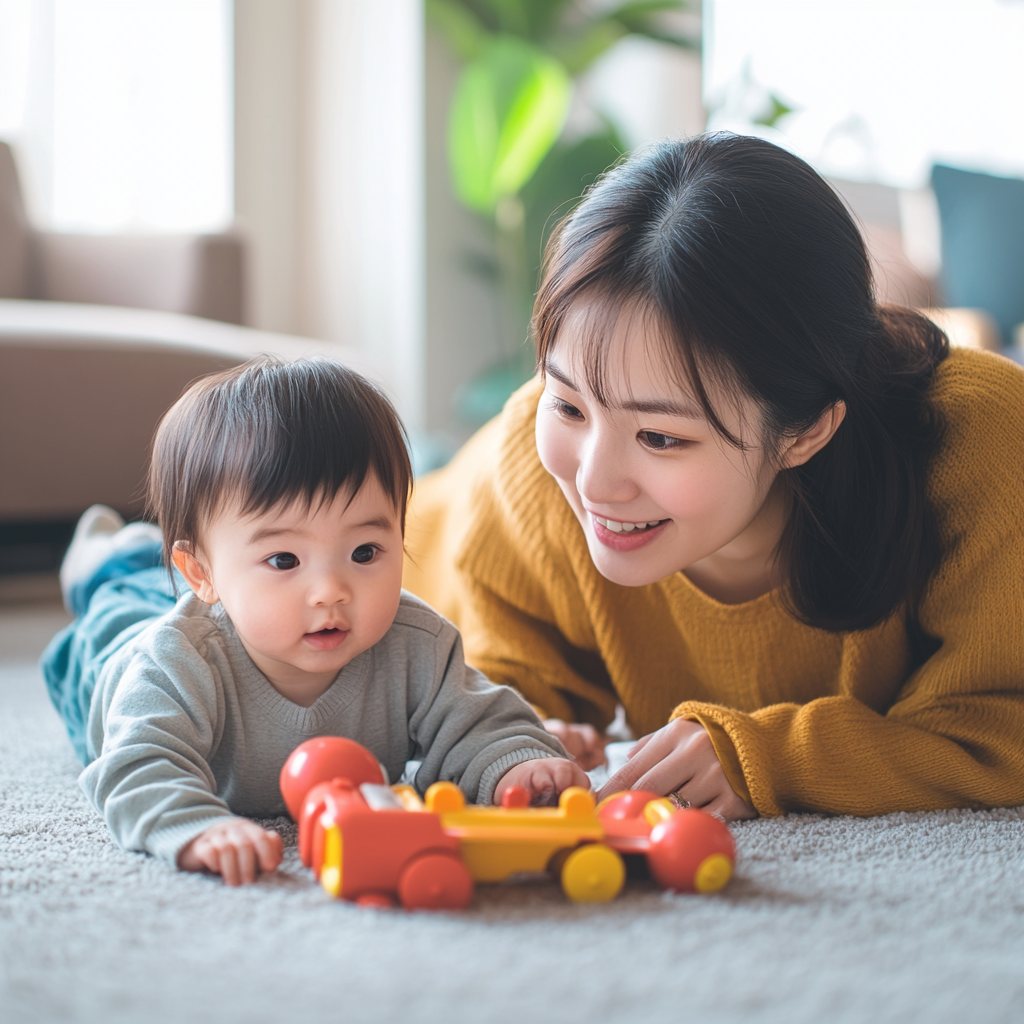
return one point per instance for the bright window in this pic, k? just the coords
(881, 88)
(121, 111)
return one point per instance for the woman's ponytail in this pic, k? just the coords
(861, 539)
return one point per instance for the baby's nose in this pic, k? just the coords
(330, 588)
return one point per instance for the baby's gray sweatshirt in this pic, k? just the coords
(184, 729)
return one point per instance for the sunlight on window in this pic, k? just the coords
(880, 89)
(122, 111)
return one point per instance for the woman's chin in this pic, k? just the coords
(627, 568)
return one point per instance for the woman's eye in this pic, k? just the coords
(570, 412)
(659, 442)
(364, 553)
(283, 560)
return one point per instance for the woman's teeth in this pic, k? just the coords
(616, 527)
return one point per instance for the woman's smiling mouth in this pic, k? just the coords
(625, 536)
(326, 639)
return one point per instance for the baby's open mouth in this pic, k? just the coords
(326, 639)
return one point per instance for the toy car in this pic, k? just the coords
(377, 845)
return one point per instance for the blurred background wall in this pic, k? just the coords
(333, 135)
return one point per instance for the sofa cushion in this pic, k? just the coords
(982, 220)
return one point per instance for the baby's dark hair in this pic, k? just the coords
(268, 433)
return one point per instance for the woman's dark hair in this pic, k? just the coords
(751, 264)
(267, 433)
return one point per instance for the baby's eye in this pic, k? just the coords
(364, 553)
(283, 560)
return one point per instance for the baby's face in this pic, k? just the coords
(306, 590)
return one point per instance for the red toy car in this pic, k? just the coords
(378, 845)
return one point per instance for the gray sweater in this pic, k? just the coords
(184, 729)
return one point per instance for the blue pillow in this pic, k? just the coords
(982, 243)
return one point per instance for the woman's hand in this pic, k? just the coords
(680, 758)
(583, 742)
(543, 778)
(236, 848)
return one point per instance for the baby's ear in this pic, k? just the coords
(195, 573)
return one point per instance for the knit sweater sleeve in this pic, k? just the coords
(952, 738)
(153, 735)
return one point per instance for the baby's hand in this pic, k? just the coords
(543, 778)
(235, 848)
(583, 742)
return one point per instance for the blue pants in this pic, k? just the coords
(113, 606)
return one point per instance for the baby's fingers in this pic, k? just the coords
(245, 851)
(228, 865)
(269, 850)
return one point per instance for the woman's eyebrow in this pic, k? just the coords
(554, 371)
(651, 407)
(663, 407)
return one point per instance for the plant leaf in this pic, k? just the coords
(578, 52)
(559, 183)
(774, 112)
(508, 110)
(459, 25)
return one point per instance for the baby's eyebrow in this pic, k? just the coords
(379, 522)
(268, 532)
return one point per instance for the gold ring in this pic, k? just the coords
(680, 801)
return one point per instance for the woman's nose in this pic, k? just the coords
(603, 476)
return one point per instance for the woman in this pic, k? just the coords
(780, 524)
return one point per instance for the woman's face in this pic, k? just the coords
(654, 486)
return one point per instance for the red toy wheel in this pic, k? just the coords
(691, 851)
(435, 881)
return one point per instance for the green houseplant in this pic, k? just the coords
(510, 160)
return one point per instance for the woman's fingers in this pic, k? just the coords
(639, 745)
(654, 749)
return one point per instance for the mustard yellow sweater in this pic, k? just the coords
(801, 719)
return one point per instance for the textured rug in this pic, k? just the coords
(910, 917)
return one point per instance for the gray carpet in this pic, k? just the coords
(911, 917)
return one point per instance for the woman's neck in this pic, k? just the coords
(746, 567)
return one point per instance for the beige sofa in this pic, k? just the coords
(83, 386)
(84, 377)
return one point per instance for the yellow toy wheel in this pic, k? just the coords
(593, 874)
(712, 873)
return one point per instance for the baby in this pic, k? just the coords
(280, 490)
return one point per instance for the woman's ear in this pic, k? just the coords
(811, 442)
(194, 572)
